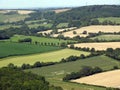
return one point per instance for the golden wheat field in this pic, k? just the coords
(99, 46)
(107, 79)
(61, 10)
(93, 29)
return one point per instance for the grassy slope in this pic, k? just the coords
(107, 37)
(8, 49)
(112, 19)
(12, 18)
(54, 56)
(39, 39)
(55, 73)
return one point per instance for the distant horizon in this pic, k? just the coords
(33, 4)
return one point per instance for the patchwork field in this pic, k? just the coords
(99, 46)
(92, 29)
(107, 79)
(13, 49)
(107, 37)
(55, 73)
(54, 56)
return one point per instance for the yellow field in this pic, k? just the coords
(99, 46)
(54, 56)
(107, 79)
(92, 29)
(61, 10)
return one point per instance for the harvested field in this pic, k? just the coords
(25, 11)
(99, 46)
(61, 10)
(92, 29)
(107, 79)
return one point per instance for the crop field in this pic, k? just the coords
(112, 19)
(25, 11)
(55, 73)
(102, 79)
(12, 18)
(99, 46)
(62, 25)
(107, 37)
(92, 29)
(15, 38)
(54, 56)
(37, 25)
(61, 10)
(13, 49)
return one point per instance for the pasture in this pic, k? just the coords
(99, 46)
(62, 25)
(12, 18)
(55, 73)
(107, 37)
(13, 49)
(102, 79)
(2, 27)
(92, 29)
(112, 19)
(38, 25)
(54, 56)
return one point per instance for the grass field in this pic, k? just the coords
(54, 56)
(107, 37)
(37, 25)
(102, 79)
(112, 19)
(12, 49)
(99, 46)
(15, 38)
(12, 18)
(55, 73)
(2, 27)
(62, 25)
(92, 29)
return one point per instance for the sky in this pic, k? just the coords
(13, 4)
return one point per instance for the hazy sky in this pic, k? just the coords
(52, 3)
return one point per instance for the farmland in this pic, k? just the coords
(55, 73)
(61, 25)
(2, 27)
(92, 29)
(38, 25)
(13, 49)
(12, 18)
(61, 10)
(99, 46)
(107, 37)
(54, 56)
(102, 79)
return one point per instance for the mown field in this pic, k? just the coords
(12, 18)
(107, 37)
(15, 38)
(13, 49)
(54, 56)
(102, 79)
(55, 73)
(112, 19)
(99, 46)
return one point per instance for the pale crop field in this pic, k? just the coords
(99, 46)
(61, 10)
(54, 56)
(107, 79)
(25, 11)
(92, 29)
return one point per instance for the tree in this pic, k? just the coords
(37, 64)
(74, 32)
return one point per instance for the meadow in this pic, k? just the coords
(107, 37)
(62, 25)
(55, 73)
(12, 18)
(2, 27)
(112, 19)
(99, 46)
(13, 49)
(54, 56)
(38, 25)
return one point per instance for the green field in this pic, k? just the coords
(2, 27)
(112, 19)
(34, 21)
(12, 18)
(37, 25)
(107, 37)
(55, 73)
(61, 25)
(54, 56)
(15, 38)
(12, 49)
